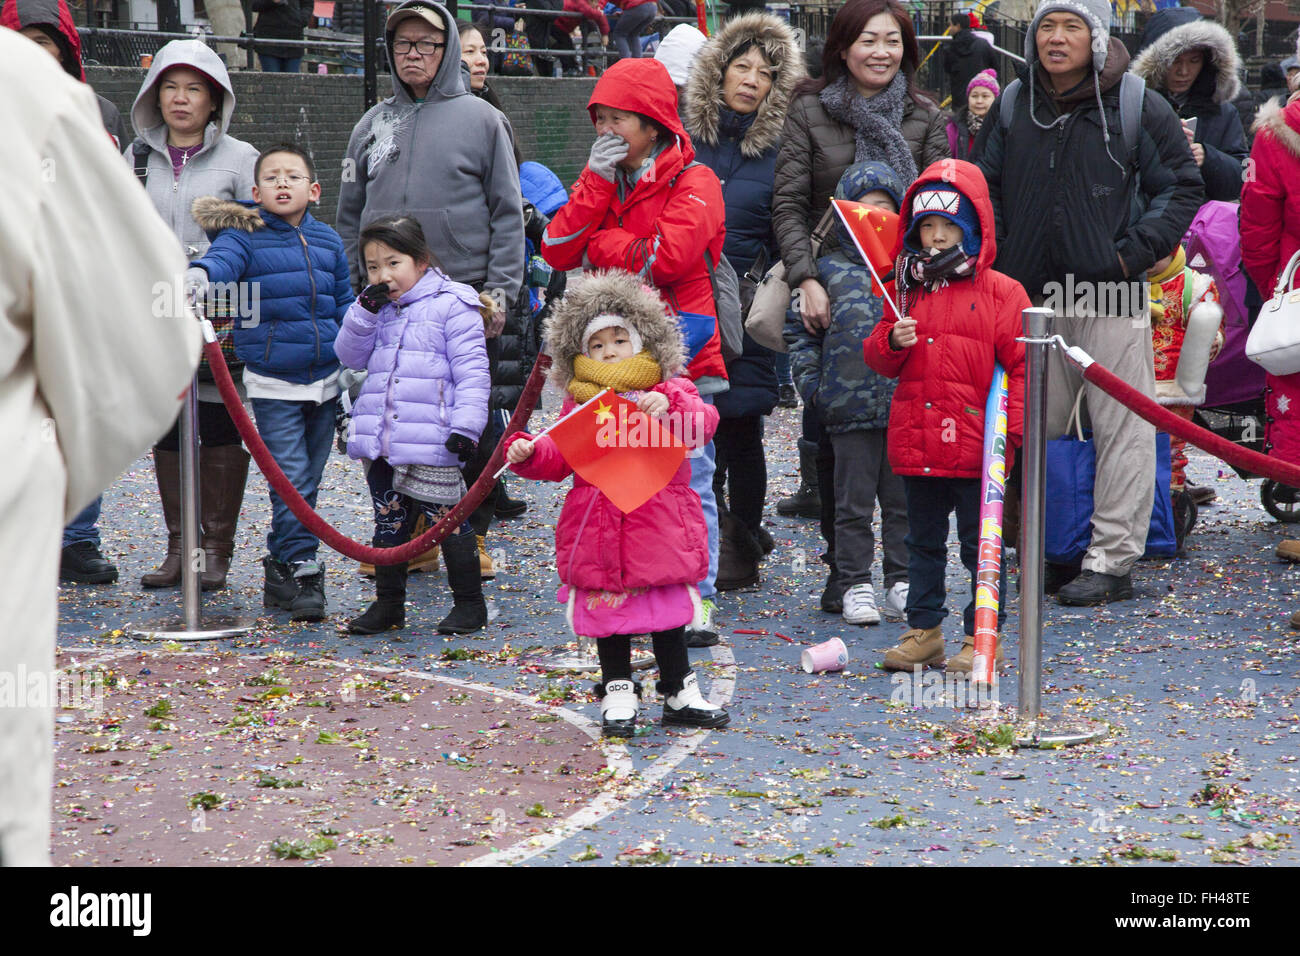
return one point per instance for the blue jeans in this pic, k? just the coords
(280, 64)
(299, 436)
(783, 376)
(626, 32)
(702, 468)
(929, 502)
(84, 527)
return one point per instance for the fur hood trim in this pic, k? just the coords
(215, 214)
(1272, 117)
(619, 293)
(703, 98)
(1153, 63)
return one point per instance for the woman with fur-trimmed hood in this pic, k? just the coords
(735, 107)
(1194, 64)
(634, 573)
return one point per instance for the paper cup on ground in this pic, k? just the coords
(829, 655)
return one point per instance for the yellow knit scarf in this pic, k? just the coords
(590, 377)
(1157, 292)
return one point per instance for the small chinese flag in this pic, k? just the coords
(625, 453)
(875, 233)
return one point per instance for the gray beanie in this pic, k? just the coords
(1095, 13)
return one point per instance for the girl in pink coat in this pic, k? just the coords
(635, 573)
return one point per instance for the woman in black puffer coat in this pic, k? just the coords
(734, 107)
(1194, 64)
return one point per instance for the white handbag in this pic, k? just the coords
(1274, 341)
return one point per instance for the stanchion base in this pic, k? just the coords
(583, 658)
(1046, 734)
(211, 628)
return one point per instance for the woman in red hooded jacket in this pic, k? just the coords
(644, 205)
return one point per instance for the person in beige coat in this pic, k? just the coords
(94, 355)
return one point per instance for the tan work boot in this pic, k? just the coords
(1289, 550)
(485, 567)
(924, 647)
(964, 660)
(424, 562)
(1295, 620)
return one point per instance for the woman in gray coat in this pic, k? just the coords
(181, 153)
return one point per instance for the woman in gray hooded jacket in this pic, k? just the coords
(182, 153)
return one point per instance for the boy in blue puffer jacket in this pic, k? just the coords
(293, 270)
(852, 403)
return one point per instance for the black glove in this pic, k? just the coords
(463, 448)
(373, 297)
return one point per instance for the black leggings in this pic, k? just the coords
(670, 654)
(742, 468)
(216, 428)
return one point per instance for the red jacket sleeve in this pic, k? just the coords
(691, 218)
(591, 12)
(879, 355)
(1263, 201)
(546, 463)
(685, 406)
(566, 237)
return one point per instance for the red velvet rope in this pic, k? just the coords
(1167, 421)
(316, 524)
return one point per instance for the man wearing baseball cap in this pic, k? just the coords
(1078, 208)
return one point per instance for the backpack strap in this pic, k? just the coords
(1007, 103)
(140, 154)
(1132, 89)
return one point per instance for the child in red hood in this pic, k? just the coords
(960, 317)
(633, 573)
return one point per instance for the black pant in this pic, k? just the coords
(216, 428)
(395, 513)
(929, 502)
(741, 466)
(615, 654)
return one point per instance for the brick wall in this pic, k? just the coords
(318, 112)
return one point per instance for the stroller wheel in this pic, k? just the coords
(1281, 501)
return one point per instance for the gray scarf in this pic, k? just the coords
(877, 122)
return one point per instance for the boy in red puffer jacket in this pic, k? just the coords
(960, 317)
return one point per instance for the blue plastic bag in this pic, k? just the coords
(1071, 471)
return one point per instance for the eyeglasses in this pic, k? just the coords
(293, 179)
(422, 47)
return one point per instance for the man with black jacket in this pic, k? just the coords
(964, 56)
(1080, 220)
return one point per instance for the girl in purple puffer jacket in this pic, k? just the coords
(420, 338)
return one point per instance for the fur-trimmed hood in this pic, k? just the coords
(703, 98)
(619, 293)
(1283, 122)
(215, 214)
(1219, 77)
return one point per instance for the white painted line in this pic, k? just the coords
(609, 801)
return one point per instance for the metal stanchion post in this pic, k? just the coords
(1034, 730)
(190, 626)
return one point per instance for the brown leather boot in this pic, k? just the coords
(222, 473)
(917, 646)
(167, 469)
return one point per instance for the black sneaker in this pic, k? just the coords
(279, 588)
(1092, 587)
(508, 508)
(82, 563)
(702, 634)
(1057, 576)
(309, 605)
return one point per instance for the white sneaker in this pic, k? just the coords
(688, 708)
(860, 605)
(618, 709)
(896, 602)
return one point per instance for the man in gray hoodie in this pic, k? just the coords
(434, 151)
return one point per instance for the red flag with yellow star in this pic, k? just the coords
(875, 233)
(621, 450)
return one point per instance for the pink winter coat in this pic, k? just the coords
(664, 542)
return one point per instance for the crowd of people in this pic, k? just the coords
(416, 319)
